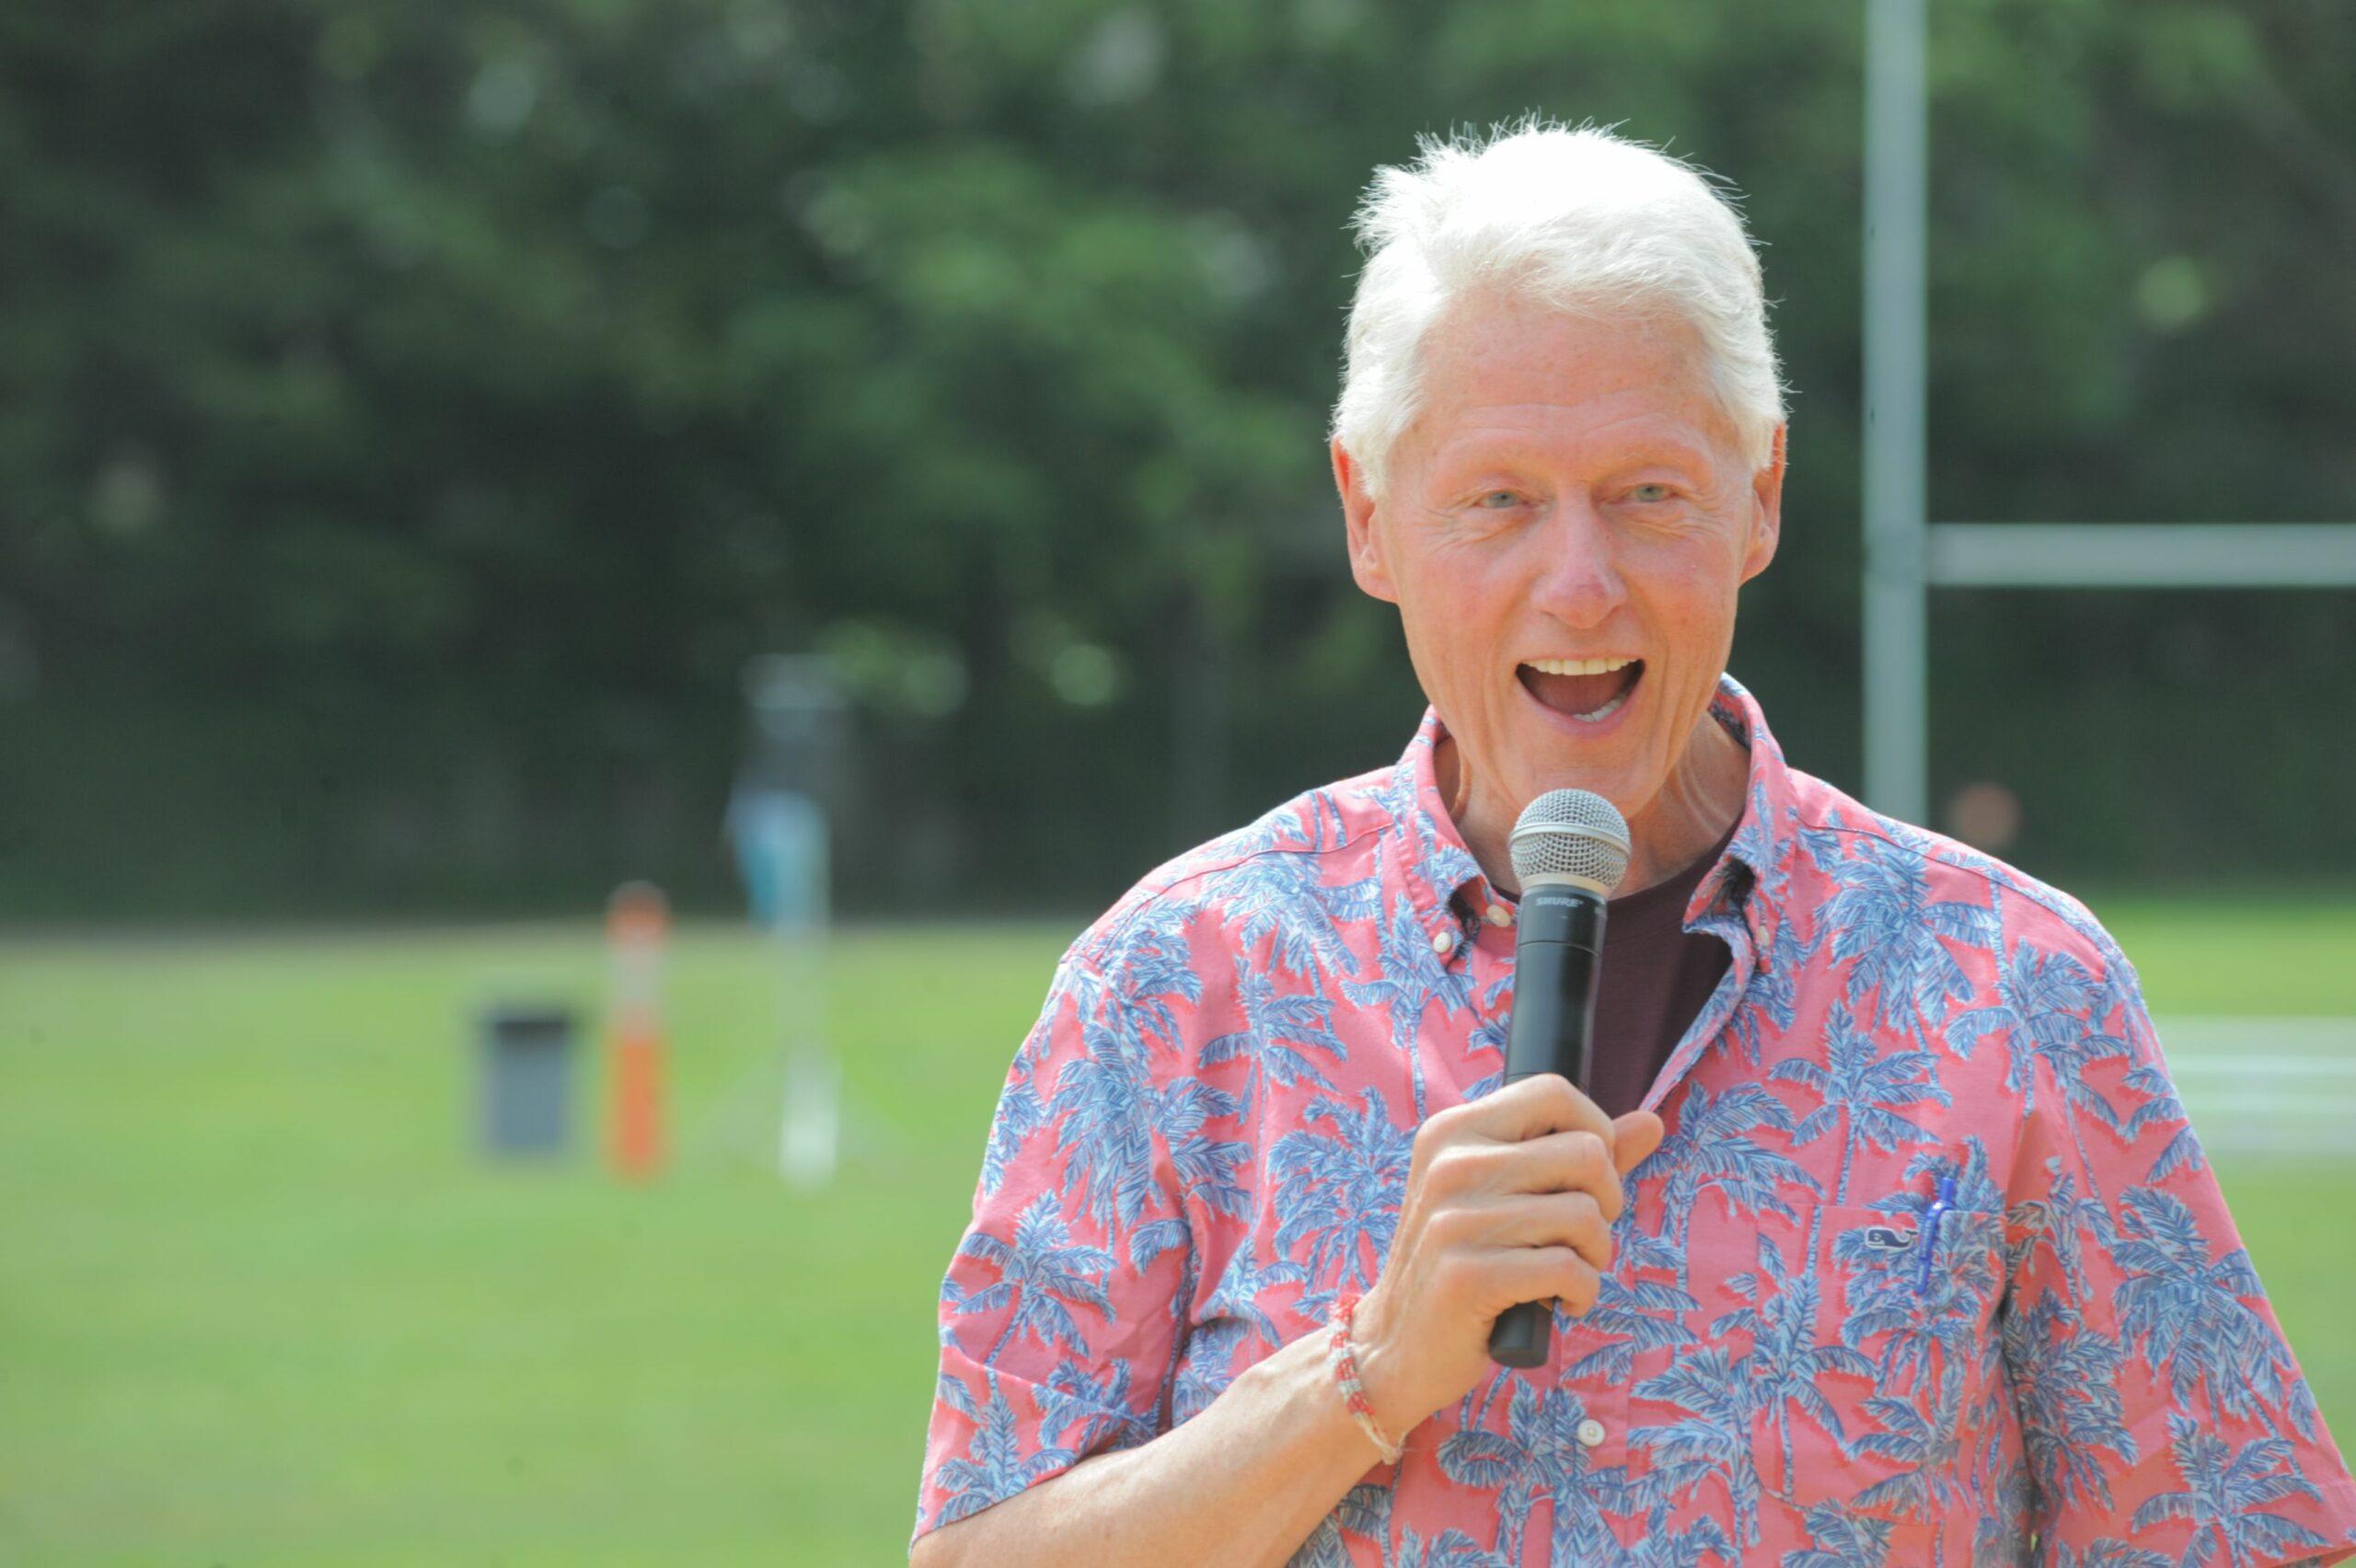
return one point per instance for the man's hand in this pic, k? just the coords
(1509, 1199)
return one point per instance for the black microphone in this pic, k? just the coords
(1570, 848)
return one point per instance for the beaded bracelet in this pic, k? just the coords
(1344, 1363)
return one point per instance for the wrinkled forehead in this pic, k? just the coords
(1502, 375)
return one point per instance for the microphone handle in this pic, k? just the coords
(1556, 963)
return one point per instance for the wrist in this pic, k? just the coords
(1346, 1362)
(1379, 1372)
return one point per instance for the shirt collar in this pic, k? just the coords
(1445, 882)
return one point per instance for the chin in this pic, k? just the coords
(1616, 782)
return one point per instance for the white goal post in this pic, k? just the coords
(1905, 554)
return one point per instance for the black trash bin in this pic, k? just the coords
(526, 1080)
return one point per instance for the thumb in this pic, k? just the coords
(1634, 1137)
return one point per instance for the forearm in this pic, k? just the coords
(1244, 1482)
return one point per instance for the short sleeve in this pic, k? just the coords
(1060, 1308)
(2161, 1409)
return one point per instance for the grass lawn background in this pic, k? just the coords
(261, 1303)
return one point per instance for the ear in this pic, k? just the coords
(1766, 511)
(1367, 562)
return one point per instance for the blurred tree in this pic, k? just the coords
(410, 418)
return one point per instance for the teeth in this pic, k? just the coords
(1606, 711)
(1578, 666)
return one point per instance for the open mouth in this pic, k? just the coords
(1590, 690)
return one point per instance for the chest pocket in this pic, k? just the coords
(1858, 1363)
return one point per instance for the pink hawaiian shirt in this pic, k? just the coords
(1930, 1268)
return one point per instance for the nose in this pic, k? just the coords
(1578, 578)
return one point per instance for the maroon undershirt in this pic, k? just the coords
(1655, 977)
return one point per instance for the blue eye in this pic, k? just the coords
(1510, 498)
(1661, 492)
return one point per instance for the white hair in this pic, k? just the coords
(1579, 221)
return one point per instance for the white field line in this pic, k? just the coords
(2247, 1069)
(2251, 1144)
(2206, 1036)
(2266, 1086)
(2204, 1107)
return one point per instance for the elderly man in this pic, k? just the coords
(1877, 1235)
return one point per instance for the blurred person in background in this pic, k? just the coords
(1879, 1233)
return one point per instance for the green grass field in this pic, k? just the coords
(261, 1303)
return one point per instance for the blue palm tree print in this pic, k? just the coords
(1044, 1274)
(1713, 1440)
(1491, 1028)
(1340, 1191)
(1709, 1149)
(1975, 1190)
(1103, 1115)
(994, 1466)
(2001, 1539)
(1786, 1358)
(1232, 1315)
(2161, 1107)
(2107, 1553)
(1439, 864)
(1021, 1112)
(1449, 1549)
(1930, 1332)
(1153, 964)
(1208, 1166)
(1274, 1025)
(2225, 1496)
(1536, 1456)
(1240, 1287)
(1702, 1541)
(1278, 898)
(1634, 1316)
(1859, 1091)
(2147, 1076)
(1364, 1510)
(1820, 847)
(1077, 1406)
(1155, 1236)
(1927, 1443)
(2185, 1313)
(1408, 978)
(1932, 1324)
(1207, 1370)
(2043, 1000)
(2065, 1386)
(2059, 1222)
(1773, 996)
(1842, 1540)
(1894, 933)
(1753, 843)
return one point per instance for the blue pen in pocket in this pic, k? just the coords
(1940, 1207)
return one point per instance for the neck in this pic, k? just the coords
(1696, 806)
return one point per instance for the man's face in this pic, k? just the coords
(1568, 493)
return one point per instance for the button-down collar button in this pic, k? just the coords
(1590, 1432)
(1497, 914)
(1443, 942)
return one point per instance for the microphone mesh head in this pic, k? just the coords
(1571, 835)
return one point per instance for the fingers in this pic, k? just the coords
(1634, 1136)
(1548, 1220)
(1541, 1103)
(1459, 1154)
(1558, 1162)
(1510, 1198)
(1545, 1274)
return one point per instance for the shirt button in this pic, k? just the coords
(1590, 1432)
(1497, 914)
(1443, 942)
